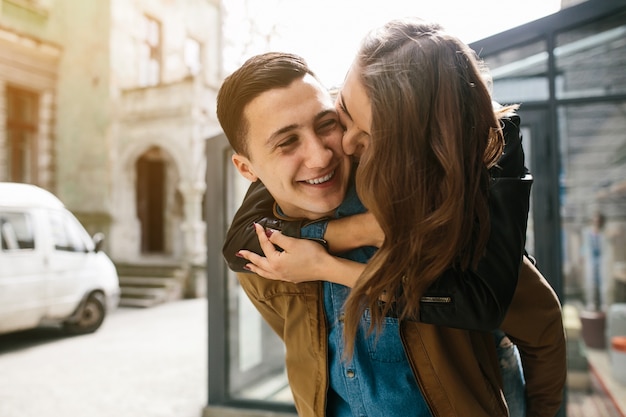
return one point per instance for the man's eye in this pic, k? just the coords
(287, 142)
(328, 125)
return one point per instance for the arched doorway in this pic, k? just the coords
(151, 199)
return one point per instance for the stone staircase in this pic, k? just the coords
(146, 285)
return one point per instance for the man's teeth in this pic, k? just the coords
(322, 179)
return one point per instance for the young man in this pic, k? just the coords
(280, 122)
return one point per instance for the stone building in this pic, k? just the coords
(108, 104)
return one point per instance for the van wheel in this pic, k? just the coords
(89, 318)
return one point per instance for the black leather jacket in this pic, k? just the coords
(474, 299)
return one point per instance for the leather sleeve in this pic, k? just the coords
(478, 300)
(257, 207)
(534, 323)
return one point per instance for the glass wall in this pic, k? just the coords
(590, 60)
(521, 73)
(593, 158)
(585, 119)
(570, 82)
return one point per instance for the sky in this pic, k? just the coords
(327, 32)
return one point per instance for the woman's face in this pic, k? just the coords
(355, 113)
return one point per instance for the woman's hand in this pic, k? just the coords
(301, 260)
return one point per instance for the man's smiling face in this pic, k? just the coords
(294, 145)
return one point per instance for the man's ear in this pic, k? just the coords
(244, 167)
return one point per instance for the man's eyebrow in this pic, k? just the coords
(323, 113)
(281, 131)
(342, 104)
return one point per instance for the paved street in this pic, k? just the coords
(140, 363)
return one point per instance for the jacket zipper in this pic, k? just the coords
(436, 300)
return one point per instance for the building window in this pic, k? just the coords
(193, 56)
(150, 53)
(21, 122)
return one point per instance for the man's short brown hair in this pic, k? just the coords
(257, 75)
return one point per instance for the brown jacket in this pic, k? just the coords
(457, 370)
(535, 324)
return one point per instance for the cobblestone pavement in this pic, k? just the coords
(140, 363)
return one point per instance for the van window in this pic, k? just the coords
(16, 231)
(66, 234)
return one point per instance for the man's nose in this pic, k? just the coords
(318, 153)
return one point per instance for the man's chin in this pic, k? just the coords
(328, 209)
(317, 210)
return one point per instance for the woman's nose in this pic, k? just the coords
(354, 144)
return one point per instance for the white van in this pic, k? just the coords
(51, 270)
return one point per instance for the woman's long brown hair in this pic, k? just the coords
(434, 135)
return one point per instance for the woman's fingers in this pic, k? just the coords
(270, 238)
(294, 261)
(263, 235)
(262, 265)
